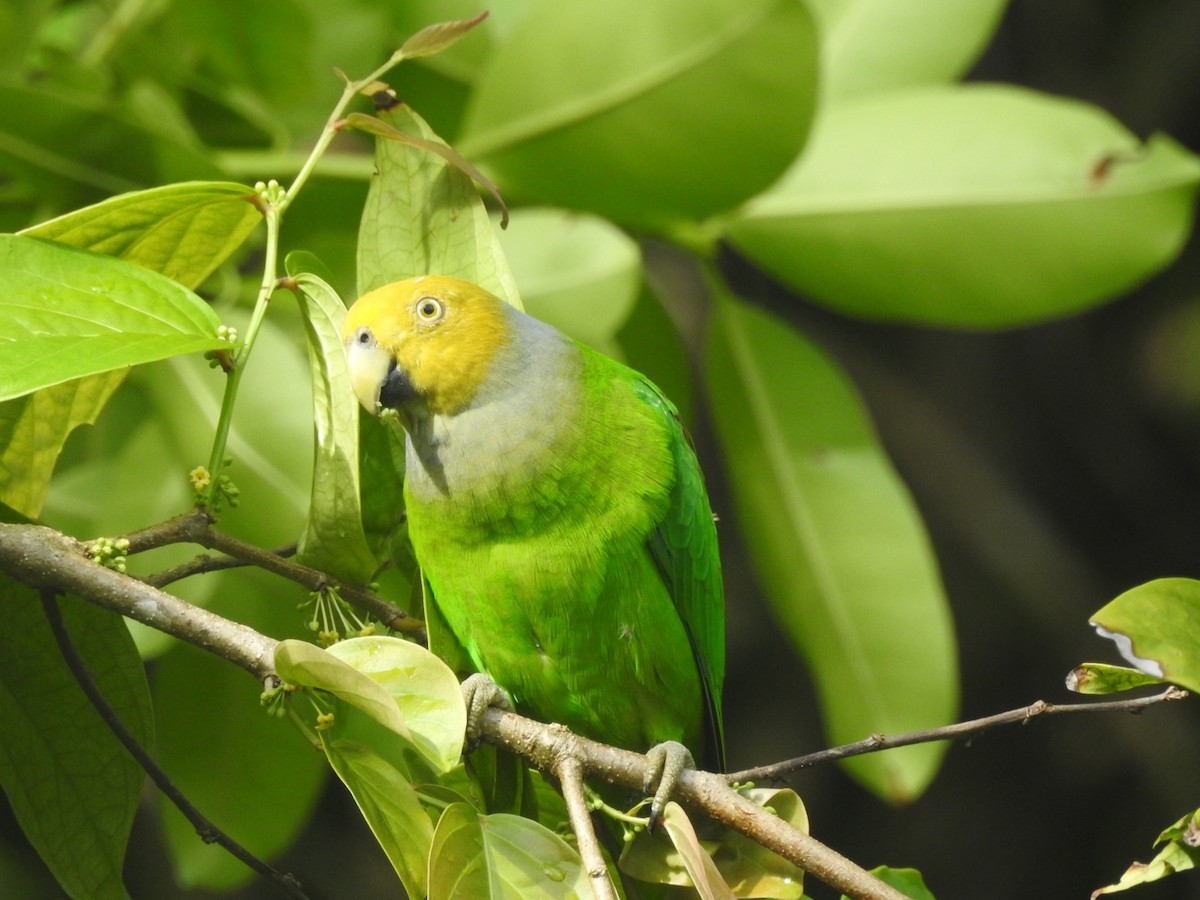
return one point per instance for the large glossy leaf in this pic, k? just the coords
(390, 806)
(978, 206)
(577, 272)
(646, 112)
(66, 313)
(183, 231)
(489, 857)
(871, 46)
(424, 216)
(1156, 626)
(836, 542)
(333, 540)
(425, 690)
(72, 786)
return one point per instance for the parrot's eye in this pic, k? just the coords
(362, 335)
(430, 310)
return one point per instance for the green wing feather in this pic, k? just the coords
(684, 547)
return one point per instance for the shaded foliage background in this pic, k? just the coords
(1055, 466)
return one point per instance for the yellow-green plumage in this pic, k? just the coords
(556, 510)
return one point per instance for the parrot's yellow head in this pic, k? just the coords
(425, 341)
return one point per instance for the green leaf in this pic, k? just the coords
(438, 37)
(478, 857)
(836, 542)
(980, 206)
(183, 231)
(860, 51)
(423, 687)
(1156, 627)
(223, 728)
(79, 313)
(673, 855)
(33, 429)
(1101, 678)
(577, 272)
(391, 808)
(333, 540)
(907, 881)
(747, 868)
(1180, 853)
(72, 786)
(305, 664)
(423, 216)
(650, 113)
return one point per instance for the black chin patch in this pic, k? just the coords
(397, 390)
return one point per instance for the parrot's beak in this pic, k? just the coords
(369, 366)
(377, 381)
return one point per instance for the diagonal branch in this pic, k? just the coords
(196, 527)
(1023, 716)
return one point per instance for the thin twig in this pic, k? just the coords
(195, 527)
(570, 777)
(209, 833)
(1023, 715)
(198, 565)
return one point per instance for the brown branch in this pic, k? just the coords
(1023, 715)
(195, 527)
(46, 559)
(208, 832)
(569, 772)
(546, 745)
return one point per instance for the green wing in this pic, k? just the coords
(684, 547)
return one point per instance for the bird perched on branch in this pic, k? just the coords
(558, 515)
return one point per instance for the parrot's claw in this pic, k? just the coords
(664, 764)
(480, 694)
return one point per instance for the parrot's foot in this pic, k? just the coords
(665, 763)
(480, 694)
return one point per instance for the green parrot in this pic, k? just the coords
(558, 515)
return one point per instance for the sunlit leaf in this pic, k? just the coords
(438, 37)
(673, 855)
(478, 857)
(836, 542)
(302, 663)
(908, 881)
(424, 216)
(183, 231)
(1101, 678)
(72, 786)
(423, 687)
(978, 206)
(860, 51)
(750, 869)
(67, 313)
(1181, 851)
(1156, 626)
(652, 112)
(391, 808)
(333, 540)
